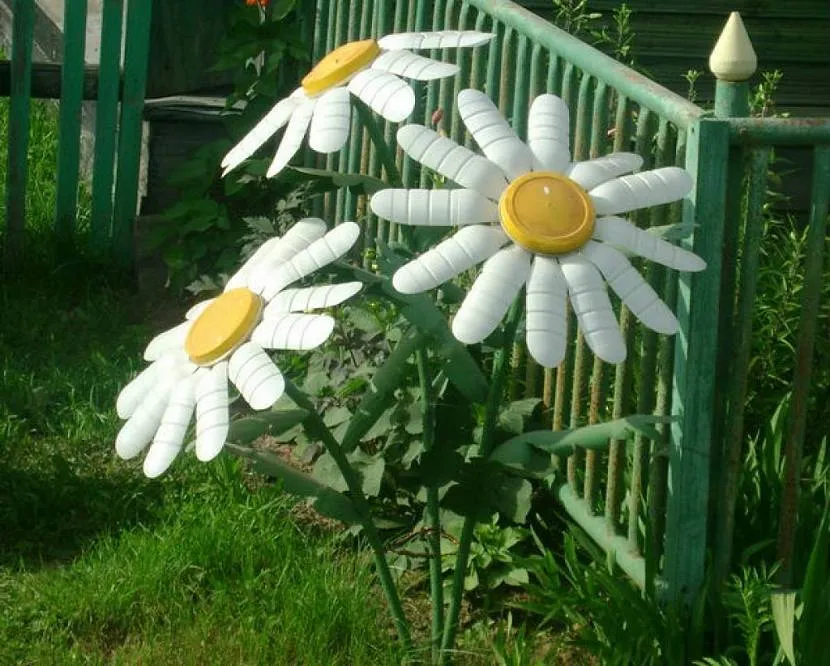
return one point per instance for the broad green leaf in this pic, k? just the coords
(276, 422)
(518, 451)
(327, 181)
(327, 500)
(512, 498)
(511, 421)
(783, 616)
(517, 577)
(327, 472)
(336, 416)
(380, 427)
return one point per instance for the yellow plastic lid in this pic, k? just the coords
(339, 65)
(224, 324)
(547, 213)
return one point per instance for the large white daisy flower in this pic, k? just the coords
(537, 219)
(369, 69)
(224, 338)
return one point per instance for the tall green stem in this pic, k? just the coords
(387, 157)
(501, 364)
(319, 429)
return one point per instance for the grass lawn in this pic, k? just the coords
(99, 564)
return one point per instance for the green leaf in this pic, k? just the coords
(517, 577)
(518, 453)
(328, 181)
(512, 498)
(511, 421)
(336, 416)
(783, 616)
(274, 422)
(327, 500)
(327, 472)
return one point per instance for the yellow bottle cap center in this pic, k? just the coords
(224, 325)
(339, 65)
(547, 213)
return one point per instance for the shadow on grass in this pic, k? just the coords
(50, 516)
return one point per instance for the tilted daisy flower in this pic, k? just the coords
(371, 70)
(537, 219)
(225, 338)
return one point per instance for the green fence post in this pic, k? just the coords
(136, 55)
(695, 363)
(733, 62)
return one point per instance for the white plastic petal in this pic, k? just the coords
(493, 135)
(170, 340)
(253, 372)
(434, 208)
(413, 66)
(198, 309)
(548, 133)
(331, 121)
(465, 249)
(292, 330)
(240, 278)
(311, 298)
(640, 190)
(386, 94)
(212, 412)
(320, 253)
(547, 298)
(623, 234)
(261, 132)
(142, 425)
(451, 160)
(591, 173)
(590, 302)
(296, 239)
(132, 395)
(491, 294)
(444, 39)
(630, 286)
(174, 422)
(293, 137)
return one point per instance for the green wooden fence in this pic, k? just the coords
(117, 86)
(646, 504)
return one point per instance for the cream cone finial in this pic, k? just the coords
(733, 58)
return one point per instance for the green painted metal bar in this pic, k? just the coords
(639, 88)
(506, 76)
(599, 128)
(659, 467)
(521, 87)
(106, 123)
(780, 131)
(536, 85)
(344, 29)
(810, 298)
(563, 373)
(622, 371)
(694, 363)
(737, 379)
(423, 111)
(451, 119)
(446, 87)
(582, 356)
(569, 93)
(415, 21)
(553, 81)
(332, 160)
(648, 364)
(494, 63)
(136, 55)
(69, 121)
(18, 137)
(357, 140)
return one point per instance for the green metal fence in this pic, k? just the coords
(117, 86)
(646, 504)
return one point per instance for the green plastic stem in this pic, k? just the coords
(320, 429)
(501, 364)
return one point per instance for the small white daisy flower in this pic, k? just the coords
(224, 338)
(536, 218)
(368, 69)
